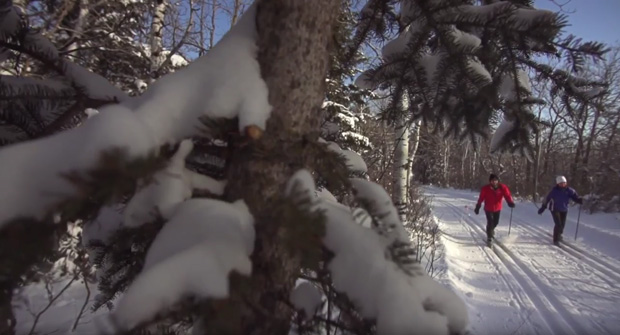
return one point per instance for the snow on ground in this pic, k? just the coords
(524, 284)
(60, 317)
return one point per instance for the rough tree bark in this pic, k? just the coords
(293, 41)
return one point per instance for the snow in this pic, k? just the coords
(401, 303)
(527, 17)
(464, 39)
(90, 112)
(344, 115)
(31, 171)
(176, 60)
(507, 88)
(479, 69)
(347, 119)
(504, 127)
(306, 297)
(399, 44)
(169, 188)
(354, 161)
(325, 194)
(593, 92)
(193, 255)
(360, 139)
(524, 284)
(95, 86)
(380, 203)
(231, 85)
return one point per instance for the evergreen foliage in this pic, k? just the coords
(462, 64)
(457, 56)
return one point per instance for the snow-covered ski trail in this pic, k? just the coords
(546, 304)
(520, 314)
(518, 299)
(605, 269)
(567, 290)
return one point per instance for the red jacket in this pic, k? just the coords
(493, 197)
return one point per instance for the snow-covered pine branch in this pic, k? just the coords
(202, 242)
(17, 36)
(400, 302)
(455, 72)
(166, 113)
(168, 188)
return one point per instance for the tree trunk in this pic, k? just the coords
(214, 7)
(414, 143)
(236, 11)
(293, 41)
(474, 170)
(401, 166)
(445, 160)
(463, 165)
(157, 29)
(586, 156)
(536, 172)
(78, 28)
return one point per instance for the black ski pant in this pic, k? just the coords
(492, 221)
(559, 219)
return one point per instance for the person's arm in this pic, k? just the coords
(480, 197)
(544, 204)
(547, 199)
(508, 197)
(576, 198)
(479, 202)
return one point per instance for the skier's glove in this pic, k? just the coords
(579, 201)
(477, 210)
(541, 210)
(511, 204)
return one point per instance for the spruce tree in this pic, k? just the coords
(229, 252)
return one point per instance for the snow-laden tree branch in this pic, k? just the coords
(231, 86)
(400, 302)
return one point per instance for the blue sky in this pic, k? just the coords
(594, 20)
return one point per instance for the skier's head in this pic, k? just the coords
(561, 181)
(493, 179)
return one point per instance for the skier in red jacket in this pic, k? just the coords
(492, 195)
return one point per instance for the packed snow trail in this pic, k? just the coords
(524, 284)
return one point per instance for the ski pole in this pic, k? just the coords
(578, 217)
(510, 223)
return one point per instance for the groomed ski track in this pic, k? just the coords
(523, 284)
